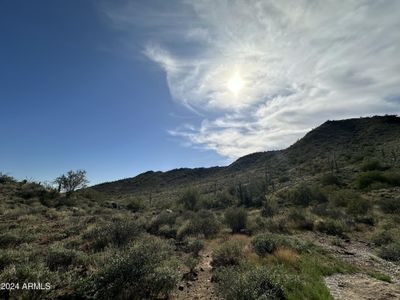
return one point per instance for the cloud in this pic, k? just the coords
(301, 62)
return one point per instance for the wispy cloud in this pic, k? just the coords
(300, 62)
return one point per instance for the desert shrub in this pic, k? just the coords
(164, 218)
(331, 227)
(223, 200)
(329, 179)
(249, 284)
(264, 244)
(304, 195)
(390, 205)
(371, 165)
(145, 270)
(252, 194)
(4, 178)
(358, 206)
(31, 190)
(5, 259)
(167, 231)
(277, 225)
(229, 253)
(269, 207)
(377, 179)
(283, 179)
(60, 258)
(9, 239)
(391, 252)
(326, 210)
(191, 263)
(117, 233)
(204, 222)
(382, 238)
(236, 218)
(300, 220)
(135, 204)
(343, 197)
(190, 199)
(365, 219)
(193, 246)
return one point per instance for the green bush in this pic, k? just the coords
(30, 190)
(9, 239)
(358, 206)
(135, 204)
(5, 259)
(331, 227)
(300, 220)
(264, 244)
(164, 218)
(204, 222)
(377, 179)
(251, 194)
(249, 284)
(4, 178)
(371, 165)
(228, 254)
(193, 246)
(223, 200)
(343, 197)
(167, 231)
(382, 238)
(269, 207)
(145, 270)
(190, 199)
(304, 195)
(117, 233)
(60, 258)
(390, 252)
(329, 179)
(390, 205)
(236, 218)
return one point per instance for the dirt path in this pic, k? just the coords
(202, 287)
(360, 285)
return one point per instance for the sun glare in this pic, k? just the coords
(235, 84)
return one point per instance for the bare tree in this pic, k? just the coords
(71, 181)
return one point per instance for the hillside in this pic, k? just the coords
(340, 144)
(318, 220)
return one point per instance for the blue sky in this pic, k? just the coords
(121, 87)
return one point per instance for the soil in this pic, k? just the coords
(201, 287)
(360, 285)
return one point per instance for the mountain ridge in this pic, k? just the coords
(338, 140)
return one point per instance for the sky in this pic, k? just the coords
(121, 87)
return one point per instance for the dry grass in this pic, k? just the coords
(286, 256)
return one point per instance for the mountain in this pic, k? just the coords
(335, 146)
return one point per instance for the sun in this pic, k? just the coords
(235, 83)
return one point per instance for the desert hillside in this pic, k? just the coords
(318, 220)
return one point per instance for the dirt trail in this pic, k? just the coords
(360, 285)
(202, 287)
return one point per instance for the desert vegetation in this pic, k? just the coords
(274, 235)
